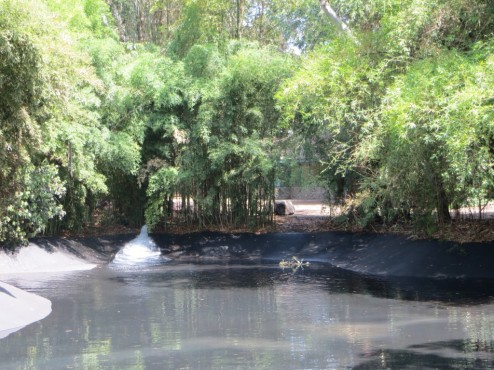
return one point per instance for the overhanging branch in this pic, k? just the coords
(334, 17)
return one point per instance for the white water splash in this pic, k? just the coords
(33, 259)
(139, 250)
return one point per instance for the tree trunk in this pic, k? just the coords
(342, 26)
(443, 214)
(237, 26)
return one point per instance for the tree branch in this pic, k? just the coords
(334, 17)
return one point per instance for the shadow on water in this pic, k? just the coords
(387, 266)
(446, 291)
(432, 356)
(247, 274)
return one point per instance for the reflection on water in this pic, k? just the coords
(253, 316)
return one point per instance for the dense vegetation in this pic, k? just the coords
(191, 111)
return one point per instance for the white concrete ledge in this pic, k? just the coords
(33, 259)
(19, 308)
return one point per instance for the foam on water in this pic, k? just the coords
(140, 250)
(33, 259)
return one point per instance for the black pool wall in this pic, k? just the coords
(374, 254)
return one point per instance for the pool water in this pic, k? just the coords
(238, 315)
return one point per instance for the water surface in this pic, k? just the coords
(169, 315)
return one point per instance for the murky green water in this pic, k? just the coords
(258, 316)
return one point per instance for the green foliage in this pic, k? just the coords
(202, 22)
(203, 62)
(23, 88)
(330, 104)
(216, 133)
(86, 18)
(418, 27)
(432, 149)
(302, 24)
(33, 205)
(399, 119)
(106, 54)
(99, 16)
(50, 104)
(160, 192)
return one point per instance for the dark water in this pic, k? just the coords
(252, 316)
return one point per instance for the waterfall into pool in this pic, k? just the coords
(141, 250)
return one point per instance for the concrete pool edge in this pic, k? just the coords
(20, 308)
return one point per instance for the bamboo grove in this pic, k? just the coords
(192, 111)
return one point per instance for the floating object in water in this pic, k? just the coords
(294, 263)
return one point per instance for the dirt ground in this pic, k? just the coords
(314, 215)
(319, 208)
(310, 215)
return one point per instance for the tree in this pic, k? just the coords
(407, 60)
(330, 104)
(27, 198)
(223, 161)
(50, 116)
(435, 135)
